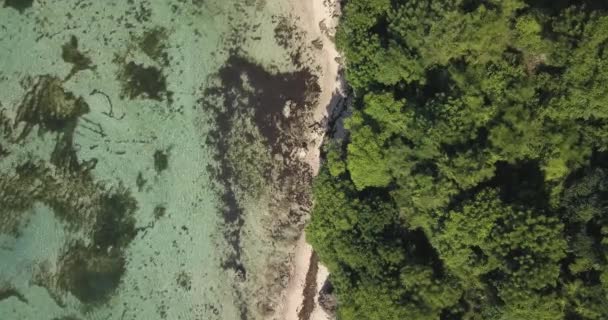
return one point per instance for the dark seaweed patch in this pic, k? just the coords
(48, 105)
(115, 225)
(271, 93)
(290, 37)
(161, 160)
(159, 212)
(19, 5)
(143, 82)
(8, 292)
(90, 275)
(285, 32)
(71, 54)
(184, 280)
(92, 272)
(140, 182)
(153, 44)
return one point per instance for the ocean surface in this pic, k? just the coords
(130, 134)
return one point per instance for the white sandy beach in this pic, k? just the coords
(318, 18)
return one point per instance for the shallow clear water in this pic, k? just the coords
(109, 202)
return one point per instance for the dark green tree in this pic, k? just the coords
(473, 183)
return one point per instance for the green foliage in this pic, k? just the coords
(473, 182)
(366, 163)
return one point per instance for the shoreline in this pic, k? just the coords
(318, 19)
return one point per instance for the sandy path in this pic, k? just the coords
(318, 313)
(314, 15)
(297, 281)
(318, 19)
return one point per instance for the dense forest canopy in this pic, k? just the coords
(473, 183)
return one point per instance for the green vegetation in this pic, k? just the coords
(474, 180)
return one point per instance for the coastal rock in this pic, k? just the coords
(327, 299)
(289, 106)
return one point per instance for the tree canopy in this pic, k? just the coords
(473, 182)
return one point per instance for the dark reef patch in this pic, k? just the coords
(286, 32)
(139, 81)
(19, 5)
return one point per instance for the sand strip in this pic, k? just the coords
(318, 18)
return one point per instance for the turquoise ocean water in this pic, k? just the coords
(115, 198)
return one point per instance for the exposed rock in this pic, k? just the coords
(327, 299)
(317, 44)
(289, 105)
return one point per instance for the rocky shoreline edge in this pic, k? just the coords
(270, 130)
